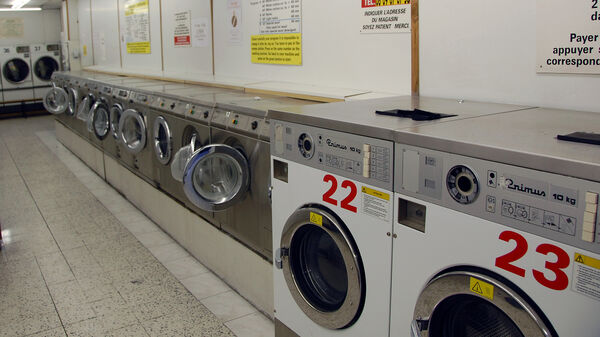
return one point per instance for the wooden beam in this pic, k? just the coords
(414, 9)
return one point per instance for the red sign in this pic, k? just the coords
(183, 40)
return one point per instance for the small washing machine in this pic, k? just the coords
(45, 60)
(54, 103)
(99, 122)
(332, 231)
(17, 81)
(133, 137)
(496, 227)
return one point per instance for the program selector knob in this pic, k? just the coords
(173, 105)
(254, 125)
(206, 114)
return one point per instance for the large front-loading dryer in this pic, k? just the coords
(17, 81)
(45, 60)
(332, 231)
(497, 229)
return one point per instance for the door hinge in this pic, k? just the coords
(279, 254)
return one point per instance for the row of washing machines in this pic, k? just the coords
(416, 216)
(206, 147)
(27, 71)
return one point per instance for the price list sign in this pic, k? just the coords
(568, 36)
(280, 33)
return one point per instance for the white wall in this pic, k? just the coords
(105, 34)
(334, 52)
(40, 27)
(185, 62)
(146, 64)
(486, 51)
(86, 49)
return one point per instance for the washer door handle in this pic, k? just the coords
(279, 254)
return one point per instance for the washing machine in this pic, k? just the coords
(99, 121)
(133, 136)
(17, 81)
(174, 139)
(54, 103)
(496, 227)
(332, 231)
(45, 60)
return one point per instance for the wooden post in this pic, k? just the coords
(414, 8)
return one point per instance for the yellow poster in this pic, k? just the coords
(137, 27)
(277, 49)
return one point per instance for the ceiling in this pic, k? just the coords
(45, 4)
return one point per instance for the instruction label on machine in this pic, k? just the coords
(280, 33)
(568, 36)
(586, 276)
(376, 203)
(385, 16)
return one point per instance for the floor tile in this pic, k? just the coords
(168, 252)
(136, 330)
(154, 239)
(205, 285)
(253, 325)
(58, 332)
(228, 306)
(140, 227)
(185, 267)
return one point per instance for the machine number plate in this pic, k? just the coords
(348, 185)
(561, 259)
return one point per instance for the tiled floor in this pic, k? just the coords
(79, 260)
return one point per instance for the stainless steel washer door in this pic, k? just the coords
(56, 101)
(322, 267)
(163, 140)
(132, 131)
(216, 177)
(85, 107)
(73, 100)
(116, 110)
(99, 119)
(451, 306)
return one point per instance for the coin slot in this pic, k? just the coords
(280, 170)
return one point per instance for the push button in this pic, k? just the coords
(589, 217)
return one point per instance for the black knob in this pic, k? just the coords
(172, 105)
(254, 125)
(206, 114)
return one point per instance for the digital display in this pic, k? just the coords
(123, 93)
(53, 47)
(22, 49)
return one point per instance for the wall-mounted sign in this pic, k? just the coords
(280, 33)
(11, 28)
(200, 32)
(385, 16)
(137, 27)
(234, 9)
(568, 38)
(183, 33)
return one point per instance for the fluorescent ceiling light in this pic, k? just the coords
(19, 3)
(28, 9)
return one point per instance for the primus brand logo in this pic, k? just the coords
(526, 188)
(336, 145)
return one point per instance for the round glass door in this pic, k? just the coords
(73, 99)
(115, 116)
(163, 143)
(449, 307)
(132, 131)
(322, 267)
(16, 71)
(45, 67)
(85, 107)
(56, 101)
(100, 119)
(216, 177)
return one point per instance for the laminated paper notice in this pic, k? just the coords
(182, 36)
(385, 16)
(12, 28)
(586, 276)
(137, 27)
(280, 33)
(376, 203)
(234, 8)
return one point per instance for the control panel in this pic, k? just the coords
(364, 159)
(557, 207)
(231, 120)
(121, 94)
(106, 90)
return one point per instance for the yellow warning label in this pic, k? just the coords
(136, 8)
(372, 3)
(84, 50)
(138, 47)
(481, 288)
(277, 49)
(316, 219)
(588, 261)
(375, 193)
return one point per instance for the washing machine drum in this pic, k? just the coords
(56, 101)
(132, 131)
(99, 121)
(216, 177)
(322, 267)
(15, 71)
(451, 306)
(45, 67)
